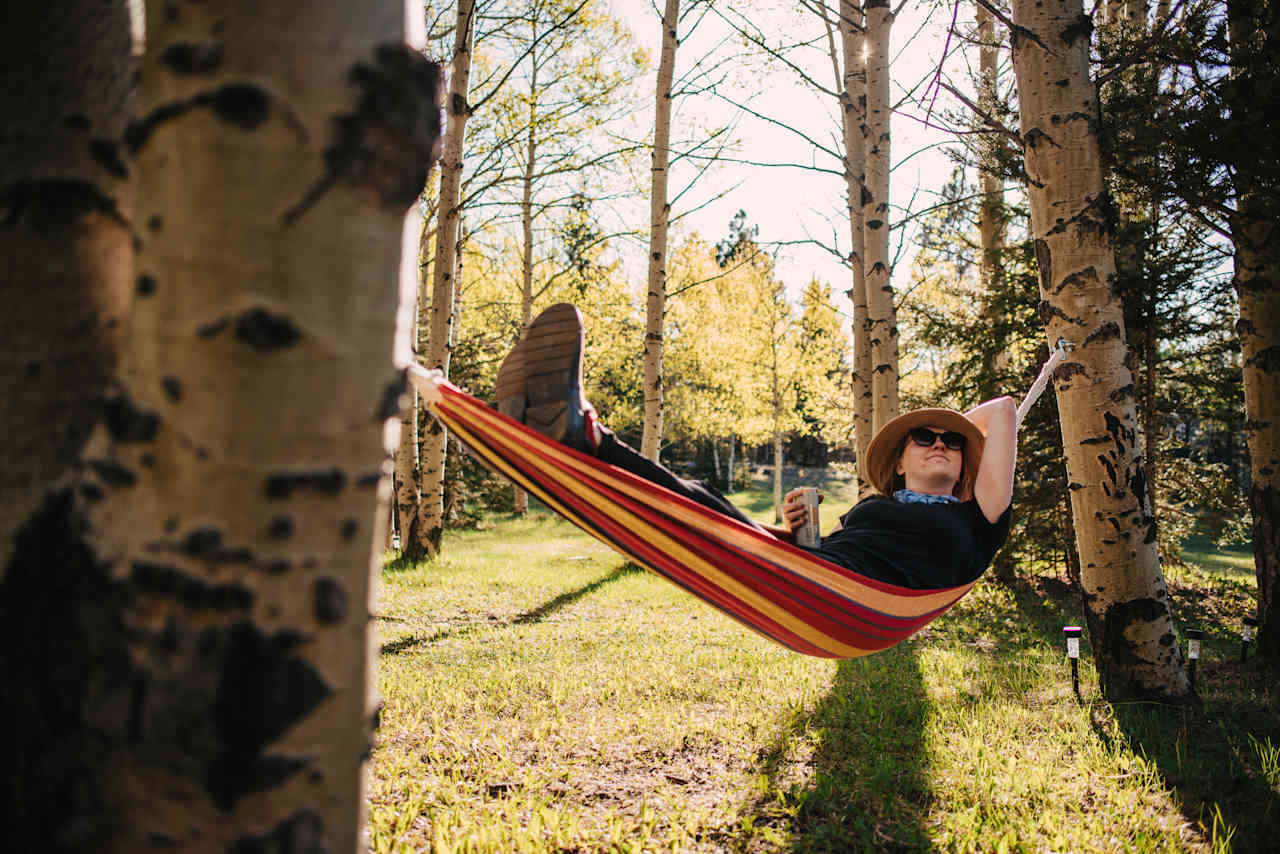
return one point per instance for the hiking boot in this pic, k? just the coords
(540, 381)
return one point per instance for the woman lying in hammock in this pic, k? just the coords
(945, 479)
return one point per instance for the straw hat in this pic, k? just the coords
(881, 460)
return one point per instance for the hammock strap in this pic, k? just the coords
(1042, 381)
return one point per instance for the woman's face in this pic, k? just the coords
(934, 469)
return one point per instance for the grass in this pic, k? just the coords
(542, 694)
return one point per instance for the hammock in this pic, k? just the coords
(790, 596)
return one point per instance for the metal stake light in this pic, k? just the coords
(1246, 635)
(1073, 653)
(1194, 636)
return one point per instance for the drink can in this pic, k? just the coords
(807, 534)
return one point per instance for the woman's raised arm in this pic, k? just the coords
(993, 489)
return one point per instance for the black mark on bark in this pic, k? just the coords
(393, 394)
(146, 285)
(262, 692)
(330, 601)
(51, 204)
(302, 833)
(1106, 332)
(265, 332)
(281, 528)
(172, 387)
(192, 57)
(330, 482)
(391, 137)
(126, 423)
(212, 328)
(112, 473)
(169, 581)
(243, 105)
(107, 153)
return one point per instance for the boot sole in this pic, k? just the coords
(553, 366)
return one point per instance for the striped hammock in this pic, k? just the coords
(791, 596)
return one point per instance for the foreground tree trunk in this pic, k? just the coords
(194, 670)
(659, 212)
(882, 318)
(439, 334)
(1126, 605)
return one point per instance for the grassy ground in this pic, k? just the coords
(541, 694)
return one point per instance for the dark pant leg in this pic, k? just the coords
(616, 452)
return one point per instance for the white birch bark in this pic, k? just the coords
(659, 212)
(526, 223)
(227, 545)
(1126, 604)
(434, 440)
(852, 83)
(1257, 283)
(881, 313)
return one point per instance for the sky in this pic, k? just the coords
(790, 204)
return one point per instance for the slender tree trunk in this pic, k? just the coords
(777, 475)
(852, 81)
(435, 442)
(733, 446)
(881, 314)
(991, 232)
(659, 212)
(526, 227)
(1257, 282)
(406, 495)
(1126, 605)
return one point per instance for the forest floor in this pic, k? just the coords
(542, 694)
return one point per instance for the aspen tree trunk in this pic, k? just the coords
(406, 485)
(1257, 274)
(66, 281)
(1126, 605)
(65, 257)
(435, 442)
(202, 680)
(1257, 283)
(526, 226)
(881, 314)
(853, 117)
(991, 223)
(659, 212)
(991, 231)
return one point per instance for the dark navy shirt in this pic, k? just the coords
(916, 545)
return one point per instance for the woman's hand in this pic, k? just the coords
(794, 512)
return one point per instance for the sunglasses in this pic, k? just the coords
(924, 437)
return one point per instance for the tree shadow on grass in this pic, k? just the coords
(533, 615)
(1215, 761)
(849, 775)
(1220, 763)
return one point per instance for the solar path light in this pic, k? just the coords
(1194, 636)
(1073, 653)
(1246, 635)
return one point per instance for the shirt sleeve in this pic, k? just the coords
(988, 536)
